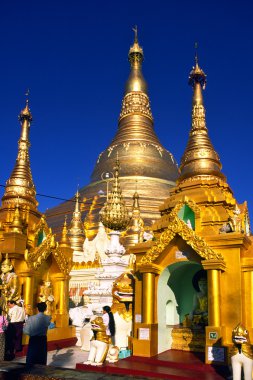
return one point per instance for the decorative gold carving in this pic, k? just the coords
(136, 102)
(87, 264)
(37, 256)
(42, 226)
(110, 149)
(114, 214)
(177, 226)
(193, 206)
(10, 289)
(186, 339)
(135, 230)
(126, 145)
(76, 232)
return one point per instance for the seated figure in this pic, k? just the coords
(199, 313)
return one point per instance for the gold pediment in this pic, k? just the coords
(177, 227)
(195, 208)
(37, 256)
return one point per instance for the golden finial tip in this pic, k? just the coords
(26, 113)
(136, 48)
(196, 53)
(197, 75)
(135, 30)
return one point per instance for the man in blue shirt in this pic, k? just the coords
(36, 327)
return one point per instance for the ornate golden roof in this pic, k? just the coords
(200, 158)
(20, 187)
(114, 214)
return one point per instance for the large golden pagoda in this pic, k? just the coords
(142, 158)
(202, 231)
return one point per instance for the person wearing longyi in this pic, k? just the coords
(36, 327)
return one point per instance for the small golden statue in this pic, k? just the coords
(9, 284)
(46, 295)
(241, 353)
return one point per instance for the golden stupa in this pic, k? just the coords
(31, 261)
(204, 234)
(142, 158)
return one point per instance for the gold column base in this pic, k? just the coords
(186, 339)
(145, 347)
(216, 352)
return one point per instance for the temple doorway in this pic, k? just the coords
(175, 299)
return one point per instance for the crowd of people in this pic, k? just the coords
(15, 323)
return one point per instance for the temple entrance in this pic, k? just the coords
(175, 301)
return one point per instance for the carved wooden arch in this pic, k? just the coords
(177, 226)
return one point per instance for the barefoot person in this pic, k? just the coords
(36, 327)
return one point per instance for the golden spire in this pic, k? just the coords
(114, 214)
(76, 232)
(200, 158)
(134, 233)
(136, 98)
(20, 187)
(136, 82)
(64, 236)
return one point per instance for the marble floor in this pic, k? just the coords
(65, 357)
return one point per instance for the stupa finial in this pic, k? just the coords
(135, 30)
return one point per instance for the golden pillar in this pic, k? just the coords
(61, 283)
(247, 295)
(213, 267)
(148, 294)
(27, 279)
(213, 276)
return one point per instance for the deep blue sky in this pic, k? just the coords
(73, 57)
